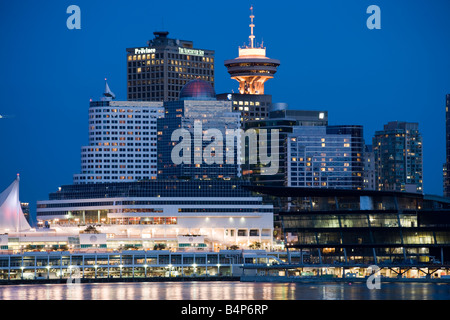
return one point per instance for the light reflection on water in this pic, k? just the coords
(225, 291)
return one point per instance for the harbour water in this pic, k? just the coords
(221, 290)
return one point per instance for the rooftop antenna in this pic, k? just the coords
(252, 37)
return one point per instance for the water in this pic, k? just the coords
(225, 291)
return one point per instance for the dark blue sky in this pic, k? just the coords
(329, 60)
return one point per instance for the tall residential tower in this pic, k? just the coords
(122, 141)
(398, 157)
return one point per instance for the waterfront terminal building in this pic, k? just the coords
(404, 234)
(173, 229)
(180, 215)
(137, 230)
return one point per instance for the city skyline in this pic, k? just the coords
(329, 61)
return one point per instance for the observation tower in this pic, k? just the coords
(252, 68)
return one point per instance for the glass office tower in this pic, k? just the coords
(197, 106)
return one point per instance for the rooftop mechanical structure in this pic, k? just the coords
(252, 68)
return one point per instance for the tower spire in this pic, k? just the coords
(108, 93)
(252, 25)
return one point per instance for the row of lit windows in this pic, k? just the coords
(160, 110)
(173, 75)
(181, 58)
(114, 166)
(116, 178)
(246, 103)
(115, 116)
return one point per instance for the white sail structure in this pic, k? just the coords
(12, 218)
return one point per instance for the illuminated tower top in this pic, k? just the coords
(252, 68)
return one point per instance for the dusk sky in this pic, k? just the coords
(330, 61)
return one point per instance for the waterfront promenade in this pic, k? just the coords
(228, 265)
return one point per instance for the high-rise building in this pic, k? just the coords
(398, 157)
(251, 106)
(159, 71)
(197, 111)
(283, 120)
(325, 156)
(447, 148)
(369, 168)
(252, 68)
(122, 141)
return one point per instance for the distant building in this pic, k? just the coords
(369, 169)
(284, 120)
(325, 156)
(26, 211)
(197, 105)
(398, 157)
(447, 148)
(122, 141)
(158, 71)
(250, 106)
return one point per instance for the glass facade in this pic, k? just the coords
(154, 188)
(251, 106)
(284, 121)
(328, 157)
(398, 157)
(339, 227)
(192, 113)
